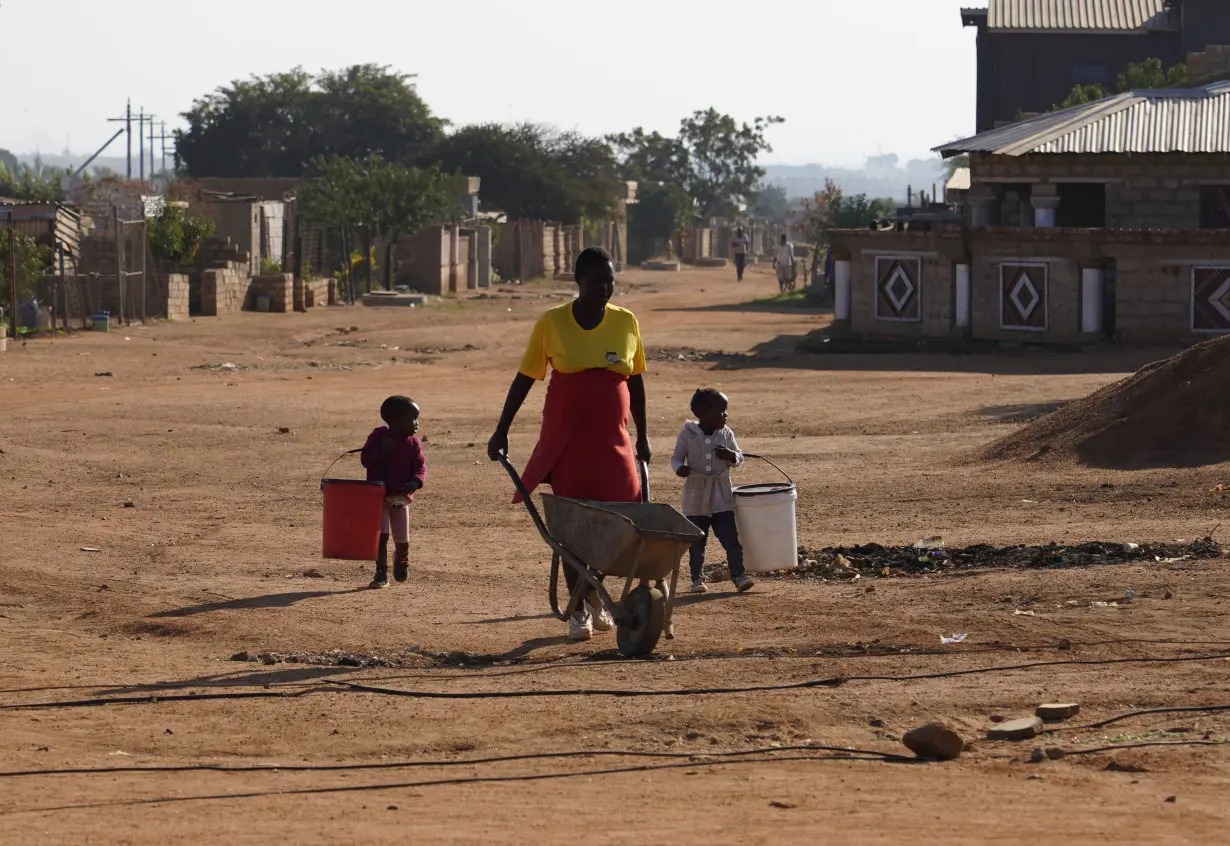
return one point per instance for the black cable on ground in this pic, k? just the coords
(467, 762)
(835, 681)
(444, 782)
(1143, 713)
(461, 672)
(1146, 744)
(555, 776)
(159, 697)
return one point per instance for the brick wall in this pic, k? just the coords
(423, 261)
(167, 296)
(1142, 191)
(934, 255)
(221, 290)
(1152, 275)
(539, 258)
(319, 292)
(218, 252)
(279, 288)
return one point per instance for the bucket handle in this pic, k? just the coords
(770, 463)
(335, 461)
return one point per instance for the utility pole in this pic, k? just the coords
(152, 174)
(127, 121)
(141, 142)
(163, 138)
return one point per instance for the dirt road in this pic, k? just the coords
(205, 517)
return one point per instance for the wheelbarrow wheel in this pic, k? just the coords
(643, 618)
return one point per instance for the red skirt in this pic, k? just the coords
(584, 450)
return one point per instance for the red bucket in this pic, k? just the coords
(352, 513)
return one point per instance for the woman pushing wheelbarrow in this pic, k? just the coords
(584, 450)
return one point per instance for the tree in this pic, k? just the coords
(385, 198)
(532, 171)
(276, 125)
(831, 209)
(713, 159)
(1081, 95)
(33, 260)
(1148, 75)
(770, 202)
(35, 185)
(175, 237)
(661, 210)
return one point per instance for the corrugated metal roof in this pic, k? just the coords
(1079, 15)
(959, 181)
(1195, 120)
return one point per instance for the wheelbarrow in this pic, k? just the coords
(640, 542)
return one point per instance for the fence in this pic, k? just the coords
(105, 271)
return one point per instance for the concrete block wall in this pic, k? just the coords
(216, 252)
(279, 288)
(1153, 283)
(167, 297)
(1153, 271)
(1061, 255)
(319, 292)
(936, 257)
(423, 260)
(222, 290)
(1142, 191)
(699, 245)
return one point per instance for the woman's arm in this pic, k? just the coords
(517, 392)
(636, 392)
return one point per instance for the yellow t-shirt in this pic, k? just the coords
(558, 340)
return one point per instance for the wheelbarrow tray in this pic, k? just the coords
(625, 540)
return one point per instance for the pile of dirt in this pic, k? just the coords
(1172, 413)
(867, 561)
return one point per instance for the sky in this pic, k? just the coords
(852, 78)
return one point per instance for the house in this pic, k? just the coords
(1031, 53)
(52, 225)
(1109, 220)
(1142, 159)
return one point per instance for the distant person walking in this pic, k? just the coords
(783, 260)
(738, 245)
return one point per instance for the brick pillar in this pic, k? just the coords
(981, 203)
(1045, 200)
(964, 295)
(841, 290)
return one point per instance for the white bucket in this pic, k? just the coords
(767, 528)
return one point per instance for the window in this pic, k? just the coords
(1082, 205)
(1089, 73)
(1215, 207)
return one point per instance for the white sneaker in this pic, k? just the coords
(580, 627)
(744, 583)
(602, 619)
(699, 587)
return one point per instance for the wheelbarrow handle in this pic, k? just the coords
(526, 498)
(643, 469)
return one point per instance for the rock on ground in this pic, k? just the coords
(1057, 713)
(934, 740)
(1022, 729)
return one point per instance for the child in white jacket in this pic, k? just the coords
(704, 453)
